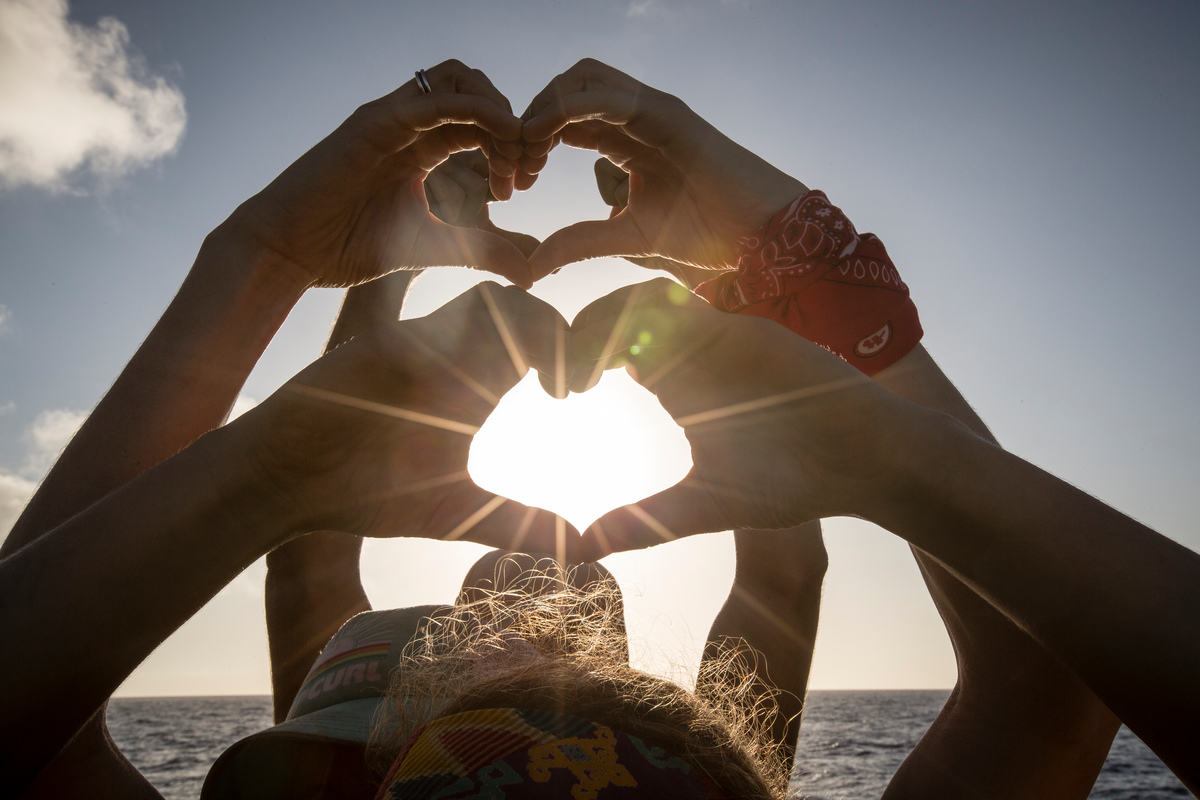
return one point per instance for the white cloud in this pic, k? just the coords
(49, 434)
(46, 438)
(15, 492)
(5, 316)
(8, 408)
(75, 99)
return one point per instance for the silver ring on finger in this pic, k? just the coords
(423, 82)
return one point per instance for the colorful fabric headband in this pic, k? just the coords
(510, 753)
(810, 271)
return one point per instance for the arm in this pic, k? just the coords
(327, 452)
(774, 604)
(313, 584)
(250, 271)
(1013, 702)
(800, 434)
(773, 608)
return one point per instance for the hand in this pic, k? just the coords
(373, 438)
(693, 192)
(613, 183)
(781, 431)
(353, 207)
(458, 194)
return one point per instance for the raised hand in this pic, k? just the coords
(458, 192)
(613, 184)
(373, 438)
(781, 431)
(353, 207)
(693, 192)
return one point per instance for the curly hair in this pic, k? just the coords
(545, 642)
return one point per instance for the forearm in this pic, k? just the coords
(313, 584)
(773, 607)
(86, 603)
(180, 384)
(312, 588)
(1114, 601)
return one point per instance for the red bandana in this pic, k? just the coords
(810, 271)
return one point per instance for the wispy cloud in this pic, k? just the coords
(45, 440)
(75, 100)
(49, 434)
(15, 492)
(5, 316)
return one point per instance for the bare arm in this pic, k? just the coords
(136, 564)
(250, 271)
(313, 584)
(180, 384)
(1013, 701)
(773, 608)
(800, 434)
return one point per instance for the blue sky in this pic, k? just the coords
(1030, 166)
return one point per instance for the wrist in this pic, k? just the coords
(253, 496)
(320, 555)
(236, 254)
(927, 453)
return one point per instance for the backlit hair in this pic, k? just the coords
(544, 643)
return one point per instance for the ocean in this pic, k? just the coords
(850, 745)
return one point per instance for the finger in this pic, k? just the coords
(523, 241)
(585, 74)
(445, 194)
(618, 236)
(528, 168)
(440, 244)
(389, 125)
(457, 189)
(612, 142)
(454, 76)
(500, 320)
(430, 149)
(652, 294)
(502, 170)
(651, 328)
(531, 165)
(613, 183)
(683, 510)
(615, 107)
(469, 513)
(502, 151)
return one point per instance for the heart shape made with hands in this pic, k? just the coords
(588, 453)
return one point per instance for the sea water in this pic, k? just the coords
(850, 746)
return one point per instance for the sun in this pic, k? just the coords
(581, 456)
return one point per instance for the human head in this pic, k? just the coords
(559, 649)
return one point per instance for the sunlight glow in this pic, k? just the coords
(581, 456)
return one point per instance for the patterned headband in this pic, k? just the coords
(515, 753)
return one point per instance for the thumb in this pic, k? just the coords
(685, 509)
(523, 241)
(442, 245)
(618, 236)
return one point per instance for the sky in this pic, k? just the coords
(1031, 167)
